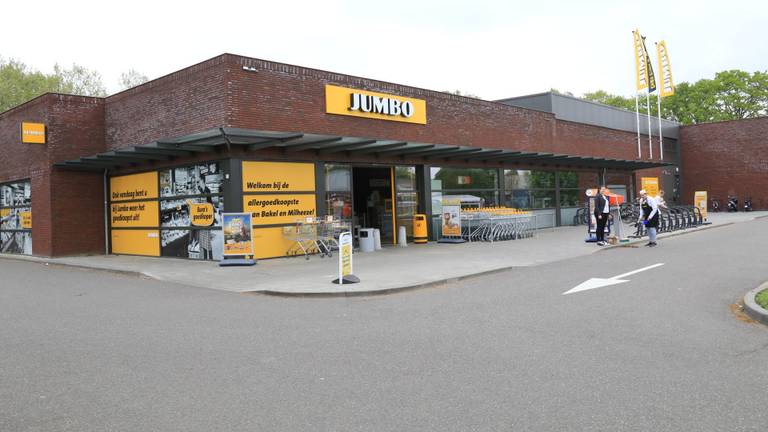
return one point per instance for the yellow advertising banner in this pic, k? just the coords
(273, 242)
(665, 69)
(136, 242)
(134, 187)
(26, 219)
(278, 177)
(4, 212)
(346, 259)
(373, 105)
(700, 201)
(641, 65)
(651, 185)
(141, 214)
(274, 209)
(201, 214)
(451, 218)
(32, 133)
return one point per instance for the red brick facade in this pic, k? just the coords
(240, 92)
(67, 207)
(726, 158)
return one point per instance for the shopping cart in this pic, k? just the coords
(303, 238)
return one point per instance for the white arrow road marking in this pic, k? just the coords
(599, 282)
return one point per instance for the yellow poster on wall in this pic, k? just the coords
(201, 214)
(274, 242)
(139, 214)
(274, 209)
(700, 201)
(26, 219)
(134, 186)
(651, 185)
(278, 177)
(136, 242)
(4, 212)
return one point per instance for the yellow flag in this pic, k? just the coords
(641, 62)
(665, 68)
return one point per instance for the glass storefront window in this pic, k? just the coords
(526, 179)
(541, 199)
(519, 199)
(463, 178)
(338, 177)
(571, 197)
(578, 179)
(339, 205)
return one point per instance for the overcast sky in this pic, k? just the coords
(493, 49)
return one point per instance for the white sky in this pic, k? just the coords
(494, 49)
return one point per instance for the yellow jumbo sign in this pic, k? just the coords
(32, 133)
(373, 105)
(279, 209)
(134, 187)
(278, 177)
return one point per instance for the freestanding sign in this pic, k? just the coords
(700, 201)
(345, 260)
(238, 234)
(450, 221)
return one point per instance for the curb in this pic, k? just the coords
(754, 310)
(41, 260)
(372, 293)
(362, 293)
(671, 234)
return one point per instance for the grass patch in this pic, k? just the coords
(762, 298)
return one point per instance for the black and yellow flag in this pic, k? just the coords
(651, 78)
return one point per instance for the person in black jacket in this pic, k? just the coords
(602, 213)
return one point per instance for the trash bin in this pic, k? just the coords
(367, 241)
(419, 228)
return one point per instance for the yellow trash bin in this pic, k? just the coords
(419, 228)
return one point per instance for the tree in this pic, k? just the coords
(19, 83)
(459, 93)
(730, 95)
(131, 79)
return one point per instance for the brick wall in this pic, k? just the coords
(184, 102)
(726, 158)
(63, 210)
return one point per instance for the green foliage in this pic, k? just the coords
(459, 93)
(19, 83)
(762, 299)
(131, 79)
(730, 95)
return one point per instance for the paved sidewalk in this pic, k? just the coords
(384, 271)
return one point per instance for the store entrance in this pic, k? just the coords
(372, 198)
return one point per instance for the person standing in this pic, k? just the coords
(649, 216)
(602, 213)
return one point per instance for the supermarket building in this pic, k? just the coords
(149, 171)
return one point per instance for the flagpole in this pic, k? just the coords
(650, 133)
(637, 115)
(661, 135)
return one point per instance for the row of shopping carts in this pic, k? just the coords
(314, 236)
(670, 219)
(496, 224)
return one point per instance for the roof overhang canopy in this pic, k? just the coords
(215, 140)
